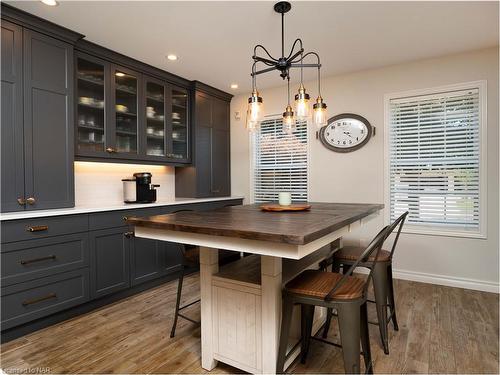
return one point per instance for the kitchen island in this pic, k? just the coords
(241, 306)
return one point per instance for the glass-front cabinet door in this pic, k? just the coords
(125, 89)
(179, 142)
(91, 124)
(155, 118)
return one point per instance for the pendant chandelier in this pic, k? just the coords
(295, 59)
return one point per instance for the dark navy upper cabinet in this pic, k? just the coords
(128, 111)
(12, 167)
(48, 122)
(92, 97)
(210, 174)
(37, 113)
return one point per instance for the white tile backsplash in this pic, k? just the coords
(101, 183)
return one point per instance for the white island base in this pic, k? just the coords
(241, 304)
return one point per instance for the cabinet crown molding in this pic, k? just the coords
(38, 24)
(207, 89)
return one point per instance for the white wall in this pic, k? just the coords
(358, 177)
(101, 183)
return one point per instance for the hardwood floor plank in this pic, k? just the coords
(442, 330)
(442, 355)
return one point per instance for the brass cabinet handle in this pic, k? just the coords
(31, 200)
(111, 150)
(125, 218)
(21, 201)
(37, 228)
(129, 234)
(50, 257)
(39, 299)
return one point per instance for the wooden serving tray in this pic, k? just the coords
(275, 207)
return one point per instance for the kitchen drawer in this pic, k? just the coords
(28, 260)
(109, 219)
(27, 229)
(113, 219)
(35, 299)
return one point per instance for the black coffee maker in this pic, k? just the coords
(145, 190)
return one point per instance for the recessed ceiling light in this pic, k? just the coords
(120, 74)
(234, 85)
(172, 57)
(52, 3)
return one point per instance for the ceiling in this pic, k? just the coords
(214, 40)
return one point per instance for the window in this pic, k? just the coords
(279, 162)
(435, 160)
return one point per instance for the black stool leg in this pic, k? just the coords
(326, 328)
(307, 316)
(177, 304)
(391, 298)
(329, 311)
(365, 339)
(285, 330)
(380, 283)
(350, 335)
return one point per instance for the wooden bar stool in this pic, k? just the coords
(344, 293)
(383, 286)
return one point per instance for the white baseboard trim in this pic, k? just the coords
(456, 282)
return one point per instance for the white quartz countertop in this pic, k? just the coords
(88, 209)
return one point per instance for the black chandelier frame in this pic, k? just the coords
(283, 64)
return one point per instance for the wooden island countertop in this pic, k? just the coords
(249, 222)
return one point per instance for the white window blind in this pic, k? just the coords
(434, 151)
(280, 162)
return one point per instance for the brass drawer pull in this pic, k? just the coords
(39, 299)
(37, 228)
(31, 200)
(50, 257)
(21, 201)
(125, 218)
(111, 150)
(129, 234)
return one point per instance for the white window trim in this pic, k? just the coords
(483, 167)
(252, 164)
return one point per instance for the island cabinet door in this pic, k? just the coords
(145, 260)
(109, 261)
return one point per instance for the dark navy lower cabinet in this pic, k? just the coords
(27, 260)
(146, 260)
(109, 261)
(34, 299)
(172, 257)
(51, 265)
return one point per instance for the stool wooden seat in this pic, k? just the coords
(316, 283)
(351, 253)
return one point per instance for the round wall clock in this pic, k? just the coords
(346, 132)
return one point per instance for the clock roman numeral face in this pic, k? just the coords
(345, 133)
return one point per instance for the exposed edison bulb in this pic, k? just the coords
(319, 113)
(288, 120)
(302, 104)
(255, 111)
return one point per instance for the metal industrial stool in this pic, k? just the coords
(382, 281)
(344, 293)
